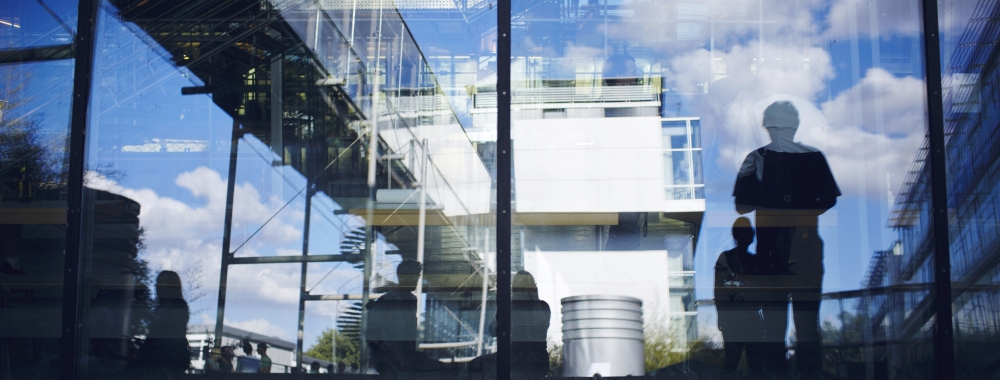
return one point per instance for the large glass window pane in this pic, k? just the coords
(969, 80)
(290, 186)
(35, 104)
(792, 239)
(38, 23)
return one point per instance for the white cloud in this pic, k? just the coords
(861, 18)
(876, 128)
(187, 238)
(260, 326)
(868, 132)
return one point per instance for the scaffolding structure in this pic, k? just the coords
(339, 92)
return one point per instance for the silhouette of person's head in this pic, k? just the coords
(341, 367)
(354, 367)
(314, 367)
(619, 70)
(262, 348)
(743, 232)
(781, 118)
(227, 353)
(247, 347)
(524, 287)
(168, 286)
(329, 368)
(408, 273)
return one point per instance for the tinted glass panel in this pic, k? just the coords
(785, 234)
(31, 24)
(290, 186)
(35, 106)
(969, 61)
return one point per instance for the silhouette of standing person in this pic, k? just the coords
(789, 185)
(265, 361)
(529, 325)
(166, 348)
(737, 318)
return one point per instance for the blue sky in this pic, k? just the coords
(863, 146)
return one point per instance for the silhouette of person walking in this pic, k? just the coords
(788, 185)
(166, 348)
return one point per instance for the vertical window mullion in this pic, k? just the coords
(83, 68)
(503, 188)
(944, 353)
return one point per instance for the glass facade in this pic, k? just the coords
(516, 189)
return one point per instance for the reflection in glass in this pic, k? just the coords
(28, 24)
(970, 107)
(686, 85)
(263, 176)
(34, 124)
(283, 159)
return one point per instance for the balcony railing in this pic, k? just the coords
(563, 95)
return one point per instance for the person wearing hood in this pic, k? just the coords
(789, 185)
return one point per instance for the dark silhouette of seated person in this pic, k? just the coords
(392, 326)
(224, 363)
(788, 185)
(165, 349)
(529, 325)
(247, 363)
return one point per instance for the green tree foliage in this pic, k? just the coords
(348, 351)
(662, 338)
(844, 342)
(555, 360)
(26, 155)
(663, 346)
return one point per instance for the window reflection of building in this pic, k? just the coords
(603, 179)
(301, 99)
(898, 304)
(261, 66)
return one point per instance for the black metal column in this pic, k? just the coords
(944, 352)
(83, 47)
(305, 266)
(227, 232)
(504, 180)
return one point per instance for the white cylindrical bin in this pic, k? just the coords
(602, 335)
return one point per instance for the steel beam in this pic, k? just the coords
(83, 70)
(227, 231)
(338, 297)
(944, 346)
(37, 54)
(503, 189)
(295, 259)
